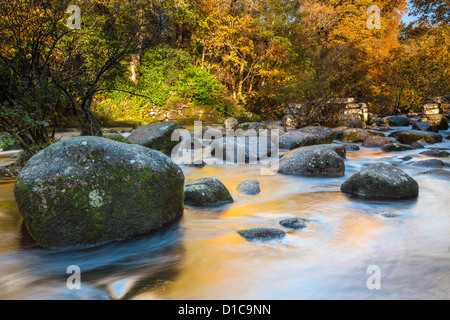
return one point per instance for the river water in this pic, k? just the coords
(202, 256)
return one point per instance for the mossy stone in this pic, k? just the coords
(90, 190)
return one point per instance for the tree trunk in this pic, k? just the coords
(136, 58)
(89, 125)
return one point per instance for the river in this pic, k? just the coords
(202, 256)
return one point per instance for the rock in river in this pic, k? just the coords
(382, 180)
(90, 190)
(411, 136)
(315, 161)
(325, 135)
(353, 135)
(398, 121)
(296, 139)
(243, 150)
(206, 192)
(432, 163)
(295, 223)
(376, 141)
(9, 173)
(436, 153)
(250, 187)
(156, 136)
(439, 173)
(395, 147)
(262, 234)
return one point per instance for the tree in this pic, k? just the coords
(433, 11)
(46, 67)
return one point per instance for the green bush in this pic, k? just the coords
(167, 75)
(6, 141)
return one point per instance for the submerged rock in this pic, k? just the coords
(156, 136)
(250, 187)
(197, 164)
(262, 234)
(295, 223)
(315, 161)
(433, 163)
(206, 192)
(90, 190)
(382, 180)
(411, 136)
(442, 173)
(390, 215)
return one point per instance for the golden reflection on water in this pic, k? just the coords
(328, 259)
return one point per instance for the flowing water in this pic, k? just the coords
(202, 256)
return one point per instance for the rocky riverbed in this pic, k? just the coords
(226, 251)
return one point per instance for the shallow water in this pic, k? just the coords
(202, 256)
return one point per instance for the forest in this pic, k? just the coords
(224, 149)
(130, 59)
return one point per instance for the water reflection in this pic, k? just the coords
(143, 263)
(202, 257)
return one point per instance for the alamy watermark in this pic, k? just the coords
(74, 21)
(74, 281)
(374, 21)
(374, 281)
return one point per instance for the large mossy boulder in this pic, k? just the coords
(90, 190)
(382, 181)
(156, 136)
(411, 136)
(206, 192)
(315, 161)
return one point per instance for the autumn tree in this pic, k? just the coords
(432, 11)
(247, 43)
(48, 68)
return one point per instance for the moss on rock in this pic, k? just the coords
(89, 190)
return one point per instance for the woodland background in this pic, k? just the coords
(132, 58)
